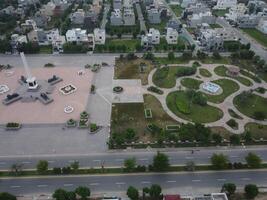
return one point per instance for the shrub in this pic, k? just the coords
(259, 115)
(185, 71)
(155, 90)
(251, 191)
(232, 123)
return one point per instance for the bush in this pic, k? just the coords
(160, 162)
(185, 71)
(57, 170)
(235, 139)
(219, 161)
(259, 115)
(253, 160)
(42, 166)
(155, 90)
(232, 123)
(12, 125)
(251, 191)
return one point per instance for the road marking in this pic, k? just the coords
(221, 179)
(50, 161)
(71, 161)
(171, 181)
(120, 183)
(94, 184)
(119, 159)
(196, 180)
(2, 163)
(145, 182)
(26, 162)
(42, 185)
(96, 160)
(143, 159)
(189, 157)
(245, 179)
(15, 186)
(68, 185)
(233, 156)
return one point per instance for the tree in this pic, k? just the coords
(190, 166)
(130, 164)
(235, 139)
(217, 138)
(253, 160)
(75, 165)
(229, 188)
(216, 55)
(248, 136)
(16, 169)
(251, 191)
(171, 56)
(83, 192)
(160, 162)
(219, 161)
(7, 196)
(60, 194)
(132, 193)
(71, 195)
(155, 191)
(42, 166)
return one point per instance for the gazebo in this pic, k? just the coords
(233, 71)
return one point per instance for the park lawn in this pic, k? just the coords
(46, 49)
(213, 26)
(167, 78)
(257, 35)
(129, 43)
(191, 83)
(253, 103)
(176, 60)
(258, 131)
(196, 111)
(220, 13)
(221, 71)
(228, 87)
(177, 9)
(204, 72)
(129, 69)
(249, 75)
(131, 115)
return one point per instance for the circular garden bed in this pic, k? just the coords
(118, 89)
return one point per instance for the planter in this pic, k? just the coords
(118, 89)
(14, 126)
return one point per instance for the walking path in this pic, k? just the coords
(224, 106)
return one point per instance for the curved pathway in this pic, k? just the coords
(224, 106)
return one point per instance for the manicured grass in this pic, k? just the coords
(191, 83)
(165, 77)
(251, 104)
(257, 35)
(177, 9)
(258, 131)
(130, 44)
(222, 71)
(228, 86)
(220, 13)
(178, 60)
(196, 111)
(161, 26)
(46, 49)
(131, 115)
(249, 75)
(130, 69)
(204, 72)
(213, 26)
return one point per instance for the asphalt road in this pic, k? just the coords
(116, 159)
(183, 183)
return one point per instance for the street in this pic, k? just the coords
(182, 183)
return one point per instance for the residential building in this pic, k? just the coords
(248, 21)
(153, 16)
(100, 36)
(200, 18)
(151, 38)
(40, 19)
(77, 35)
(117, 4)
(171, 36)
(91, 42)
(28, 25)
(128, 16)
(56, 40)
(17, 40)
(262, 26)
(90, 20)
(9, 10)
(116, 18)
(39, 36)
(186, 3)
(236, 11)
(196, 9)
(224, 4)
(77, 17)
(174, 24)
(48, 9)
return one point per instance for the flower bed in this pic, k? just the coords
(118, 89)
(155, 90)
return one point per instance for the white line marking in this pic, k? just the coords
(120, 183)
(233, 156)
(68, 185)
(96, 160)
(171, 181)
(15, 186)
(245, 179)
(50, 161)
(196, 180)
(42, 185)
(2, 163)
(143, 159)
(145, 182)
(94, 184)
(26, 162)
(221, 179)
(71, 161)
(188, 157)
(119, 159)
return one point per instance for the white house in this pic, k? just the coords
(76, 35)
(262, 26)
(186, 3)
(200, 18)
(151, 38)
(128, 16)
(171, 36)
(224, 4)
(91, 42)
(77, 17)
(100, 36)
(28, 25)
(236, 11)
